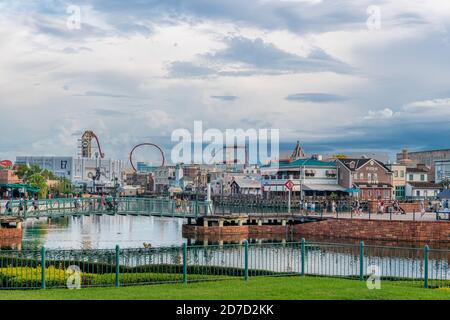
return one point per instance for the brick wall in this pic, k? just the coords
(412, 231)
(429, 231)
(10, 233)
(193, 230)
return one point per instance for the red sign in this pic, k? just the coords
(6, 164)
(289, 184)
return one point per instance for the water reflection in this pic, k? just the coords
(101, 232)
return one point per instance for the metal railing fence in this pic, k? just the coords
(33, 269)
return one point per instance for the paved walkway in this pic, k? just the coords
(428, 216)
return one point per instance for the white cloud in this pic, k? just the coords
(383, 114)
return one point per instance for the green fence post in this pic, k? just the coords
(303, 257)
(425, 268)
(43, 268)
(184, 263)
(117, 265)
(246, 260)
(361, 260)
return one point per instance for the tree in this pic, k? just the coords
(36, 177)
(38, 181)
(340, 156)
(64, 186)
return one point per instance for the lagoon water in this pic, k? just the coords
(101, 232)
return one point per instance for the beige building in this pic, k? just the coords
(398, 180)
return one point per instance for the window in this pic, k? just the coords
(396, 173)
(63, 164)
(411, 177)
(386, 193)
(372, 176)
(418, 193)
(422, 177)
(361, 176)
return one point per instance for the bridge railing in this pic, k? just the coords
(72, 206)
(30, 269)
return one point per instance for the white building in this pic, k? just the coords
(418, 185)
(78, 170)
(310, 176)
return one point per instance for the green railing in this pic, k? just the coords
(33, 269)
(61, 207)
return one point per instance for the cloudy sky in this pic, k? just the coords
(326, 72)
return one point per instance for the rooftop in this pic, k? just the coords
(307, 162)
(359, 162)
(424, 185)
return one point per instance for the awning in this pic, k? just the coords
(175, 190)
(352, 190)
(20, 186)
(323, 187)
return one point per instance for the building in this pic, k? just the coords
(9, 177)
(427, 158)
(144, 167)
(310, 176)
(419, 173)
(246, 185)
(398, 180)
(418, 185)
(143, 180)
(370, 177)
(164, 178)
(80, 171)
(442, 170)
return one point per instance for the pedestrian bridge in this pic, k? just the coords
(63, 207)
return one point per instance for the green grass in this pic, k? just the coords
(255, 288)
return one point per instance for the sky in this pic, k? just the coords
(337, 75)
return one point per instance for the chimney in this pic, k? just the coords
(404, 154)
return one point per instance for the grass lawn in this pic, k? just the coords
(255, 288)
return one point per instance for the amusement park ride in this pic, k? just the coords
(88, 151)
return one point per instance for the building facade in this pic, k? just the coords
(80, 171)
(311, 177)
(246, 185)
(398, 180)
(418, 185)
(370, 177)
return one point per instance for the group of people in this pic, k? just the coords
(23, 205)
(182, 205)
(313, 206)
(95, 204)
